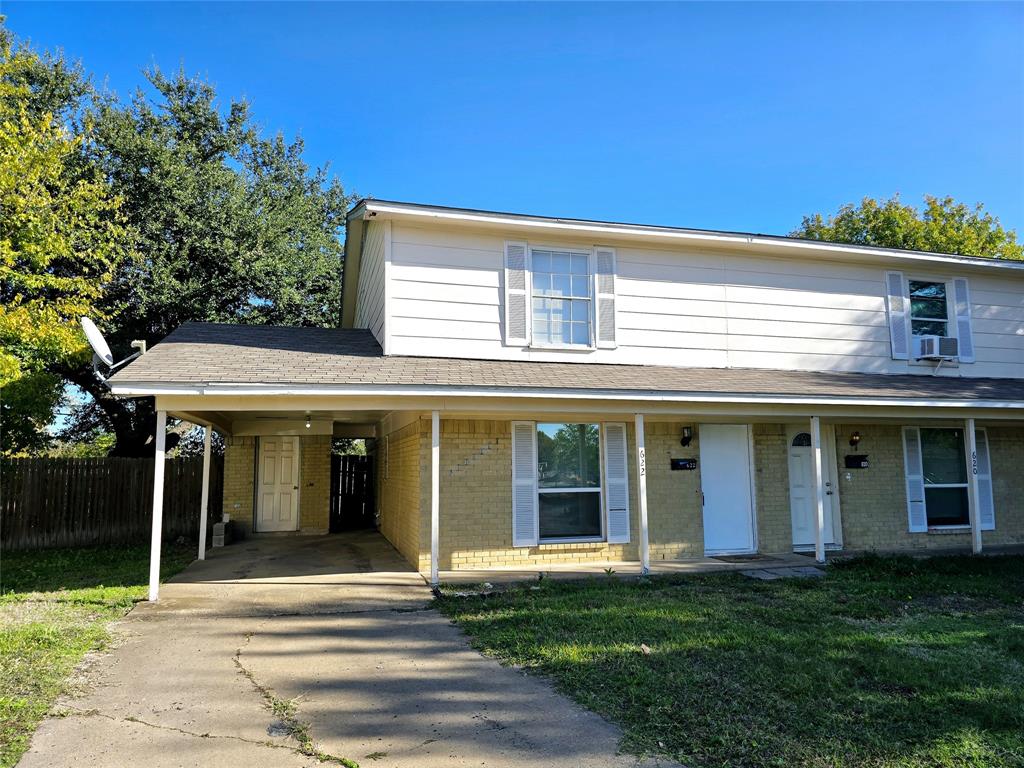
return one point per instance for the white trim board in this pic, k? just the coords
(215, 389)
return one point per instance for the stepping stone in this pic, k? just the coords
(761, 574)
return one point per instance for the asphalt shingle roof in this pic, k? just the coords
(210, 353)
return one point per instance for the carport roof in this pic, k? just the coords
(212, 355)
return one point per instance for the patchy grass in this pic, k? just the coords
(55, 606)
(885, 662)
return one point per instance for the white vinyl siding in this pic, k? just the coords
(685, 308)
(370, 295)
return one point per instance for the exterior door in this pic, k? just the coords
(802, 495)
(725, 482)
(278, 484)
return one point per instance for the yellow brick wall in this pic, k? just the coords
(239, 479)
(399, 494)
(771, 483)
(674, 512)
(476, 503)
(315, 483)
(874, 500)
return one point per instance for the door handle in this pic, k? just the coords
(295, 487)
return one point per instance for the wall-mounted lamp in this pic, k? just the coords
(687, 436)
(308, 422)
(855, 439)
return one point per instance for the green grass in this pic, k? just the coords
(55, 606)
(885, 662)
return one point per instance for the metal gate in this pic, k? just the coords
(352, 499)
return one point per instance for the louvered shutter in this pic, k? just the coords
(525, 518)
(898, 302)
(605, 296)
(517, 298)
(916, 511)
(986, 505)
(962, 303)
(616, 482)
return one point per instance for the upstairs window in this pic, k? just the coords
(929, 310)
(561, 298)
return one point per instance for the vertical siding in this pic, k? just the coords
(687, 308)
(370, 295)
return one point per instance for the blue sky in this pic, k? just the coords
(729, 115)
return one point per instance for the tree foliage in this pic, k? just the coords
(942, 226)
(61, 237)
(226, 226)
(61, 234)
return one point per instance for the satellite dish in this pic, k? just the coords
(97, 342)
(101, 349)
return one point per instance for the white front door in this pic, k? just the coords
(278, 484)
(725, 482)
(802, 497)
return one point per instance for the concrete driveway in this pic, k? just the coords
(276, 648)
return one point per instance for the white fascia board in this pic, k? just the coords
(251, 390)
(751, 242)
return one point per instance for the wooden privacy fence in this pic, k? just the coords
(90, 502)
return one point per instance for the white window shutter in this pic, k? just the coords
(899, 310)
(986, 505)
(916, 511)
(605, 297)
(962, 303)
(525, 517)
(616, 483)
(517, 297)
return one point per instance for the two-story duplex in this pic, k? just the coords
(543, 390)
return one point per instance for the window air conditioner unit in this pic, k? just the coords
(936, 348)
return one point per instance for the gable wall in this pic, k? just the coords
(686, 308)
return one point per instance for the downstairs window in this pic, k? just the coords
(944, 465)
(569, 481)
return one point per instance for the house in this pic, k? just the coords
(541, 390)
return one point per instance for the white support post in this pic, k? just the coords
(204, 504)
(819, 491)
(641, 475)
(971, 443)
(435, 490)
(158, 506)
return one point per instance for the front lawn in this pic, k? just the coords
(885, 662)
(55, 606)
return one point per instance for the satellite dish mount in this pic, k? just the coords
(102, 353)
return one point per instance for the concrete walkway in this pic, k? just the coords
(332, 637)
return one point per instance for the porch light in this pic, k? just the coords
(687, 436)
(855, 439)
(308, 422)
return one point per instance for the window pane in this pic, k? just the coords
(541, 261)
(943, 456)
(580, 264)
(560, 263)
(567, 456)
(946, 506)
(581, 286)
(581, 311)
(541, 283)
(928, 328)
(928, 309)
(580, 333)
(541, 331)
(570, 515)
(561, 285)
(559, 309)
(920, 289)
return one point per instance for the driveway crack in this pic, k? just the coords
(66, 710)
(286, 711)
